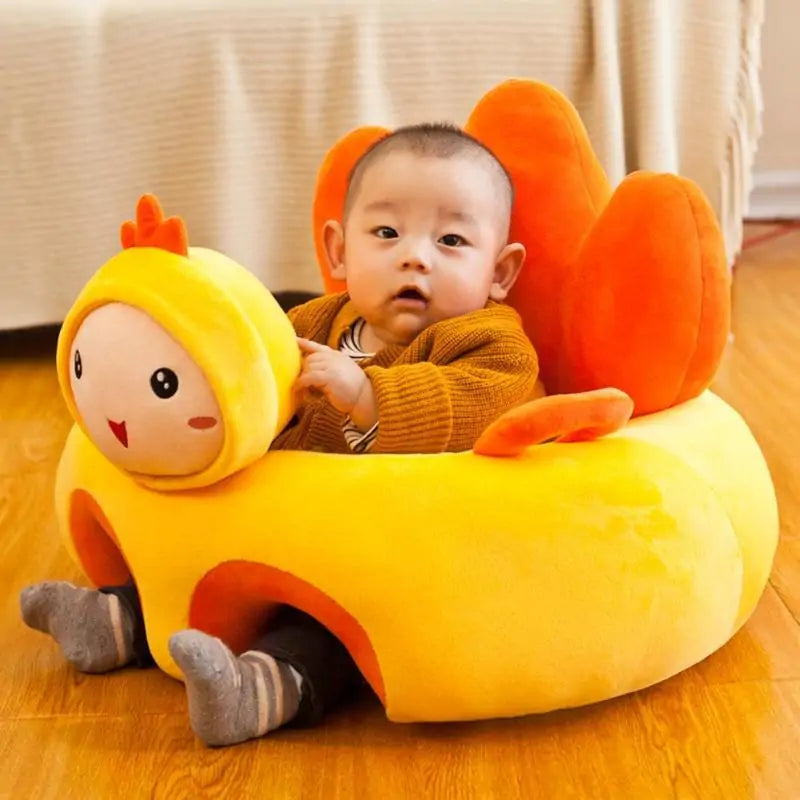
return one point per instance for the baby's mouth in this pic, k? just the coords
(412, 296)
(120, 431)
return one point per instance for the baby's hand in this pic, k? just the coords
(340, 379)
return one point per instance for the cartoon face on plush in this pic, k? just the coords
(144, 401)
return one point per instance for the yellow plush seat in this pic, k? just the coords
(471, 586)
(520, 577)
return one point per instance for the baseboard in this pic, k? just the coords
(775, 195)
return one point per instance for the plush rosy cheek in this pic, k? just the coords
(202, 423)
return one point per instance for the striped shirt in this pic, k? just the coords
(357, 440)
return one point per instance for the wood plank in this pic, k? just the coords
(682, 739)
(760, 377)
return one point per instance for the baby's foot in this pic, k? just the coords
(233, 699)
(94, 630)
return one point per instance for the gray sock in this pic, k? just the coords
(233, 699)
(94, 630)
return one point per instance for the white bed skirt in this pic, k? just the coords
(224, 109)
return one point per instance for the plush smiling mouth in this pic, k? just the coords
(120, 431)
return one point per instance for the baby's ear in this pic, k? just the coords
(333, 239)
(506, 270)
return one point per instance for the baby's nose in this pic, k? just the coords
(416, 261)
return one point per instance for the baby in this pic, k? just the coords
(425, 255)
(418, 355)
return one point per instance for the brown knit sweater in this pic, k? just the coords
(436, 394)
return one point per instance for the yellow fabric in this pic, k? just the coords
(488, 587)
(745, 477)
(234, 329)
(437, 394)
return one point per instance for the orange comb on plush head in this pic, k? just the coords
(152, 230)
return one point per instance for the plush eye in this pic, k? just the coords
(78, 364)
(164, 383)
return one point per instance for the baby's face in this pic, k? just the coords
(146, 404)
(421, 242)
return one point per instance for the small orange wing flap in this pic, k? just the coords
(577, 417)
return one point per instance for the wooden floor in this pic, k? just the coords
(729, 728)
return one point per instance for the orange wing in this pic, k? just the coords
(563, 418)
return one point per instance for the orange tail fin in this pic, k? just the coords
(563, 418)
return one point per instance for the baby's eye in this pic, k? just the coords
(78, 364)
(453, 240)
(385, 232)
(164, 383)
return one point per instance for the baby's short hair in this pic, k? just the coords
(435, 140)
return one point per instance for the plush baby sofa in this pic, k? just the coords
(596, 540)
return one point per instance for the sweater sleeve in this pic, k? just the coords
(430, 408)
(303, 318)
(314, 317)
